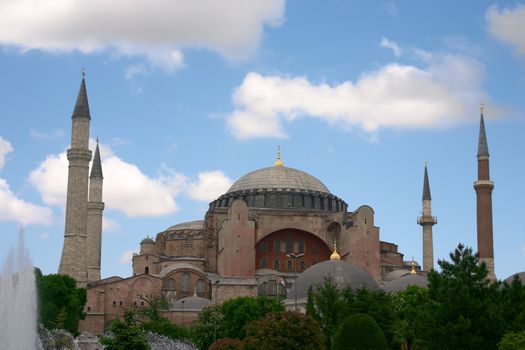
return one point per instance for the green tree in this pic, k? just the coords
(327, 306)
(359, 332)
(238, 312)
(512, 341)
(226, 344)
(284, 330)
(208, 327)
(125, 335)
(376, 304)
(464, 310)
(60, 302)
(408, 306)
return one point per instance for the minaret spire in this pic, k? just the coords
(74, 258)
(95, 208)
(484, 187)
(427, 221)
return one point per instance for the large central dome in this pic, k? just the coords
(278, 178)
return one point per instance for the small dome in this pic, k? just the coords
(193, 303)
(278, 177)
(190, 225)
(394, 275)
(521, 276)
(147, 240)
(343, 274)
(403, 282)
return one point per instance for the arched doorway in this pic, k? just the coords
(274, 251)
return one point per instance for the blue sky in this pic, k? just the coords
(188, 96)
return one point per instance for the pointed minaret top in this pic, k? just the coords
(483, 148)
(82, 105)
(426, 185)
(96, 168)
(278, 162)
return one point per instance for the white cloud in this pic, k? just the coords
(209, 186)
(392, 45)
(5, 148)
(16, 209)
(44, 236)
(446, 91)
(156, 30)
(126, 257)
(126, 187)
(508, 25)
(110, 225)
(42, 135)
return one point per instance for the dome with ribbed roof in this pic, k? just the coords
(403, 282)
(341, 273)
(278, 178)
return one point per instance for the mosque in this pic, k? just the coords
(276, 232)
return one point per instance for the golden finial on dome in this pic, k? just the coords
(278, 162)
(413, 272)
(335, 255)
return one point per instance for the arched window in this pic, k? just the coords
(185, 282)
(302, 265)
(262, 288)
(169, 284)
(263, 264)
(146, 270)
(263, 248)
(276, 265)
(200, 286)
(289, 265)
(272, 288)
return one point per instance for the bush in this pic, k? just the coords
(359, 332)
(512, 341)
(284, 330)
(226, 344)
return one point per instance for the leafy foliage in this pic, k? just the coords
(125, 335)
(408, 306)
(464, 310)
(61, 303)
(238, 312)
(208, 327)
(512, 341)
(359, 332)
(284, 330)
(226, 344)
(330, 306)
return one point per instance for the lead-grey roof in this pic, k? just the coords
(82, 105)
(189, 225)
(521, 277)
(403, 282)
(96, 168)
(341, 273)
(483, 148)
(281, 178)
(426, 186)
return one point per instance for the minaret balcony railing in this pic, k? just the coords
(427, 220)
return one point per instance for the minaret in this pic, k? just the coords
(95, 207)
(427, 221)
(73, 261)
(483, 187)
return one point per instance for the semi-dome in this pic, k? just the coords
(278, 178)
(341, 273)
(190, 225)
(403, 282)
